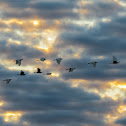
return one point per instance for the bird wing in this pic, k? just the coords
(19, 63)
(94, 64)
(42, 59)
(114, 58)
(8, 81)
(16, 61)
(58, 61)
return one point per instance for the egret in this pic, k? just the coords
(58, 60)
(42, 59)
(48, 74)
(71, 69)
(7, 81)
(93, 63)
(19, 61)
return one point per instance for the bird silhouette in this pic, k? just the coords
(21, 73)
(7, 81)
(47, 74)
(19, 61)
(58, 60)
(42, 59)
(71, 69)
(38, 70)
(93, 63)
(114, 60)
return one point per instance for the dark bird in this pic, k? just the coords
(47, 74)
(93, 63)
(58, 60)
(71, 69)
(7, 81)
(38, 71)
(21, 73)
(19, 61)
(114, 60)
(42, 59)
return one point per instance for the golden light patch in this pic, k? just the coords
(76, 55)
(26, 123)
(48, 62)
(114, 91)
(75, 85)
(55, 74)
(106, 19)
(12, 116)
(36, 23)
(12, 21)
(1, 103)
(47, 41)
(42, 47)
(111, 118)
(57, 22)
(122, 108)
(14, 41)
(83, 11)
(50, 39)
(119, 84)
(120, 3)
(25, 68)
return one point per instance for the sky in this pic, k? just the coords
(79, 31)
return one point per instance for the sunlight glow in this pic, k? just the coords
(111, 118)
(55, 74)
(25, 68)
(115, 90)
(122, 108)
(36, 23)
(12, 116)
(120, 3)
(1, 103)
(14, 41)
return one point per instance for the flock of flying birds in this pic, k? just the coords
(58, 60)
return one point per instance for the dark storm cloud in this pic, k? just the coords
(99, 9)
(62, 118)
(102, 39)
(16, 3)
(14, 51)
(41, 9)
(46, 95)
(52, 101)
(121, 121)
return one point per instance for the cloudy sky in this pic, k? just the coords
(79, 31)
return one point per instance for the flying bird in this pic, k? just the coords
(47, 74)
(42, 59)
(7, 81)
(38, 70)
(71, 69)
(93, 63)
(19, 61)
(58, 60)
(21, 73)
(114, 60)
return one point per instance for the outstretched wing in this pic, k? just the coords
(19, 62)
(58, 61)
(42, 59)
(8, 81)
(94, 64)
(114, 58)
(16, 61)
